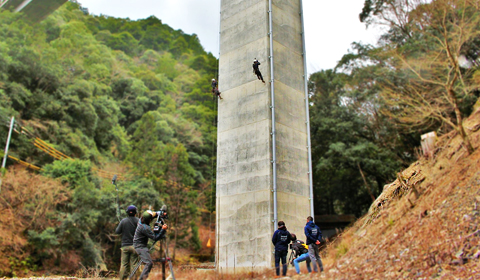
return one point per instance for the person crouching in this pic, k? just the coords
(300, 251)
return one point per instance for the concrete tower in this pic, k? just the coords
(263, 169)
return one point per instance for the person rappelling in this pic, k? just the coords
(214, 85)
(256, 71)
(217, 93)
(215, 89)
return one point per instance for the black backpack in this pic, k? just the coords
(300, 248)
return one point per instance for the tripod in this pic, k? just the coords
(291, 258)
(162, 260)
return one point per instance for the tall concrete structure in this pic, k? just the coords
(263, 166)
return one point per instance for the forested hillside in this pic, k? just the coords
(368, 114)
(129, 97)
(423, 76)
(132, 98)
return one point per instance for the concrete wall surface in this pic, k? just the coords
(245, 199)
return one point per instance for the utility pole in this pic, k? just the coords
(4, 162)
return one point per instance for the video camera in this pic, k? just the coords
(162, 215)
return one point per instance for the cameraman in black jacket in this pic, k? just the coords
(300, 250)
(140, 240)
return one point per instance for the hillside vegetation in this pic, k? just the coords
(426, 224)
(112, 96)
(423, 76)
(367, 114)
(115, 96)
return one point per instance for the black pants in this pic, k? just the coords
(283, 256)
(313, 253)
(259, 75)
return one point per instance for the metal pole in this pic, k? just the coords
(22, 5)
(4, 162)
(163, 269)
(309, 144)
(272, 107)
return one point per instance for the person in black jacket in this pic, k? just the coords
(281, 238)
(314, 235)
(214, 85)
(256, 71)
(217, 93)
(300, 253)
(127, 228)
(140, 240)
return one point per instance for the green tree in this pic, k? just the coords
(178, 46)
(181, 198)
(112, 92)
(147, 150)
(85, 216)
(345, 147)
(156, 37)
(123, 41)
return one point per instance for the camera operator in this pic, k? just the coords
(314, 235)
(126, 228)
(140, 240)
(300, 250)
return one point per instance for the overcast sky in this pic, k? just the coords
(330, 25)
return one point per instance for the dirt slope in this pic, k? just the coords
(424, 225)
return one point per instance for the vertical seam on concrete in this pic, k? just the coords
(307, 121)
(217, 235)
(272, 106)
(217, 198)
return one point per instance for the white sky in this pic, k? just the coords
(330, 25)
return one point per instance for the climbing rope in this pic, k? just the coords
(215, 122)
(212, 173)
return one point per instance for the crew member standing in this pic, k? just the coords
(127, 228)
(314, 235)
(281, 238)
